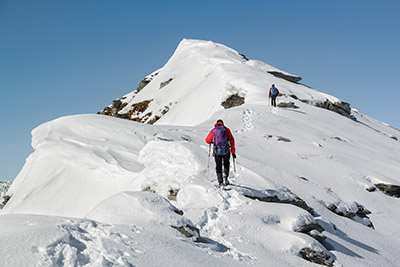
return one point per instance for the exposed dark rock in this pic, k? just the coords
(233, 101)
(317, 236)
(137, 110)
(294, 96)
(314, 230)
(274, 199)
(371, 189)
(189, 231)
(145, 82)
(123, 116)
(173, 193)
(394, 137)
(360, 214)
(342, 108)
(315, 257)
(389, 189)
(287, 77)
(287, 105)
(6, 198)
(116, 106)
(180, 212)
(163, 84)
(339, 139)
(305, 101)
(309, 227)
(149, 189)
(186, 138)
(283, 139)
(154, 120)
(243, 56)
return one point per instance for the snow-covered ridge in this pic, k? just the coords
(205, 74)
(309, 183)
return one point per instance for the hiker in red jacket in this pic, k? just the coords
(224, 145)
(273, 93)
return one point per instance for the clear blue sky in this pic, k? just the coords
(60, 58)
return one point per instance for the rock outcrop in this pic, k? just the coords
(314, 230)
(342, 108)
(316, 257)
(361, 215)
(273, 197)
(233, 101)
(4, 186)
(287, 105)
(389, 189)
(287, 77)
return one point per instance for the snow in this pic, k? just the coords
(96, 191)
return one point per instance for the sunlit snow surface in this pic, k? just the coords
(78, 200)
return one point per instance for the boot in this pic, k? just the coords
(219, 176)
(226, 182)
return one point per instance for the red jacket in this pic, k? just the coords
(229, 135)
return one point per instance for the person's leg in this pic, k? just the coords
(218, 168)
(226, 167)
(274, 100)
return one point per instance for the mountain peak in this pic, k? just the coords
(197, 80)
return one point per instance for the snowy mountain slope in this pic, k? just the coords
(92, 168)
(199, 76)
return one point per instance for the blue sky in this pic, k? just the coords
(60, 58)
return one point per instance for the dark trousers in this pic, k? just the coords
(218, 162)
(273, 100)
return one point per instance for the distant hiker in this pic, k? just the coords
(224, 145)
(273, 93)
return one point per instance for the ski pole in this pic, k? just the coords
(208, 163)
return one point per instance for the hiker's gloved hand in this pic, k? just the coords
(234, 156)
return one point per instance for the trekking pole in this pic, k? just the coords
(208, 163)
(234, 169)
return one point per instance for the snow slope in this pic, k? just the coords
(202, 74)
(79, 199)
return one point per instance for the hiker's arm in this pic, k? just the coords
(231, 140)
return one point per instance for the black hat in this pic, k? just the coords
(220, 121)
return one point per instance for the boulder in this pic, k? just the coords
(163, 84)
(233, 101)
(361, 215)
(342, 108)
(287, 105)
(316, 257)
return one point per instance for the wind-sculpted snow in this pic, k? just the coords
(308, 198)
(80, 162)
